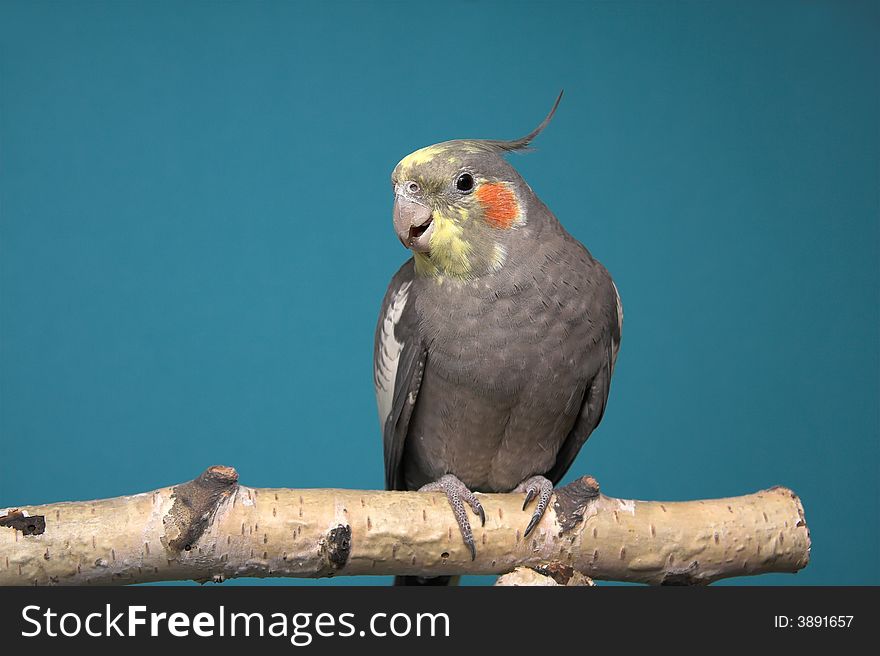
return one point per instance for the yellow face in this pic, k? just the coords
(466, 198)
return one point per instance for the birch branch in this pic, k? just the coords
(212, 528)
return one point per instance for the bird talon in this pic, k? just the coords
(536, 517)
(543, 489)
(530, 494)
(457, 494)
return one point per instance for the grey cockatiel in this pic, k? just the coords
(496, 341)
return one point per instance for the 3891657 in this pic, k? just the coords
(813, 621)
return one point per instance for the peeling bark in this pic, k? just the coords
(549, 576)
(212, 528)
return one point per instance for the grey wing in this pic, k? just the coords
(595, 396)
(398, 364)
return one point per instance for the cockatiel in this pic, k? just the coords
(496, 341)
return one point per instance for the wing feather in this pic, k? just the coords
(398, 365)
(595, 396)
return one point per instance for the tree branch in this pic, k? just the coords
(212, 528)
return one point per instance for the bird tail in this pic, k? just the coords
(426, 580)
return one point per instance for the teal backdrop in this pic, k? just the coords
(196, 236)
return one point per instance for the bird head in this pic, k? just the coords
(457, 204)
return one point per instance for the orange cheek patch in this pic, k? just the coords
(499, 204)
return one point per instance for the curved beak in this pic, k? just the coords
(413, 223)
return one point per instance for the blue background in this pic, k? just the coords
(196, 236)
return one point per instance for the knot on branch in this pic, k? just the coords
(335, 549)
(194, 506)
(572, 501)
(28, 525)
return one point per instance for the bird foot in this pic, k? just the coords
(536, 486)
(458, 494)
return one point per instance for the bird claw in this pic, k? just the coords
(530, 494)
(458, 494)
(543, 489)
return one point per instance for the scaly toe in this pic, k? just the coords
(457, 494)
(543, 489)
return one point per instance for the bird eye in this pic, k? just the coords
(464, 182)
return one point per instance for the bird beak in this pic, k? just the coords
(413, 223)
